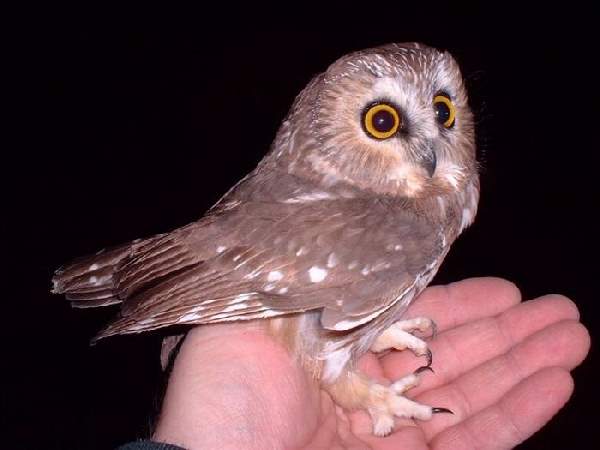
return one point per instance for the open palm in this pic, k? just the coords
(501, 366)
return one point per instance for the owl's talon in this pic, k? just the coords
(441, 411)
(429, 357)
(422, 369)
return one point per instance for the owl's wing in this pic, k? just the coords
(272, 246)
(248, 259)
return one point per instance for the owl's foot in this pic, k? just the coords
(400, 336)
(383, 403)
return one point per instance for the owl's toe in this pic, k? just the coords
(383, 403)
(387, 403)
(400, 336)
(383, 424)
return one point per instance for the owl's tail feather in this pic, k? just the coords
(90, 281)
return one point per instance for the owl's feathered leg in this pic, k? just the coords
(353, 390)
(399, 336)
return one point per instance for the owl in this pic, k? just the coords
(371, 177)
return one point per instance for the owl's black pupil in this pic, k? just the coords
(442, 112)
(383, 121)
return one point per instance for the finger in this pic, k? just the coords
(563, 345)
(460, 349)
(464, 301)
(524, 410)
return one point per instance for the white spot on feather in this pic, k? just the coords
(301, 251)
(189, 317)
(268, 313)
(99, 280)
(332, 260)
(221, 249)
(253, 274)
(274, 275)
(283, 290)
(310, 197)
(93, 267)
(235, 307)
(317, 274)
(147, 321)
(397, 247)
(242, 297)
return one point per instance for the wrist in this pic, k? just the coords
(228, 389)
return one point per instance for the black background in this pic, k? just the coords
(131, 129)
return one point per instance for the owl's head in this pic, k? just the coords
(392, 120)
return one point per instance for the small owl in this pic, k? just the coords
(371, 177)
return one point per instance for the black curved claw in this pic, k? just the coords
(433, 329)
(441, 411)
(429, 357)
(423, 369)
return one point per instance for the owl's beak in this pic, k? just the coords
(428, 159)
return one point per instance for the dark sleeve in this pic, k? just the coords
(149, 445)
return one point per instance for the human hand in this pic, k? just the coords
(500, 365)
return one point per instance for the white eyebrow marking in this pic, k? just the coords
(317, 274)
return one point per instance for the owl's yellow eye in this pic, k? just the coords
(381, 121)
(445, 112)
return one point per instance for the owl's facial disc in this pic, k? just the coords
(392, 120)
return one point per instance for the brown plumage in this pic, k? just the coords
(344, 222)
